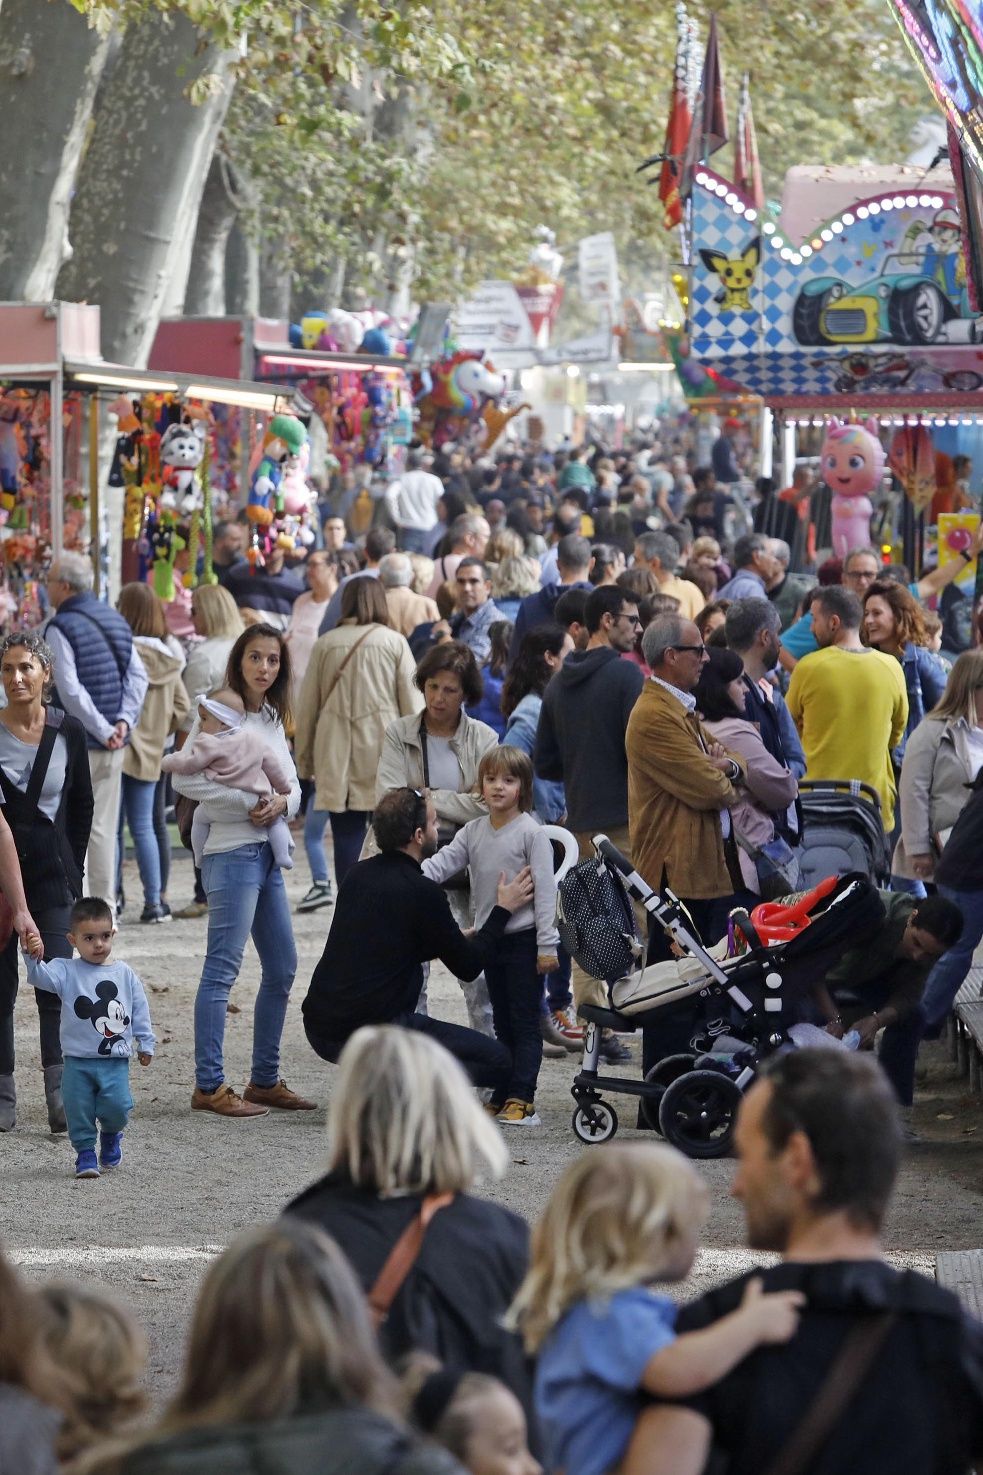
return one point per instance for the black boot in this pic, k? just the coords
(52, 1095)
(8, 1104)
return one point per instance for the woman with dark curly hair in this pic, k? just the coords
(47, 801)
(440, 750)
(895, 625)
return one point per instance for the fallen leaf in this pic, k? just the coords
(232, 1009)
(945, 1116)
(147, 1277)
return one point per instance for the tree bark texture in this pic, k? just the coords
(50, 63)
(220, 203)
(242, 271)
(141, 181)
(274, 279)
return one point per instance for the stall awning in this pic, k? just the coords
(246, 394)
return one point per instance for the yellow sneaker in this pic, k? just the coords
(517, 1113)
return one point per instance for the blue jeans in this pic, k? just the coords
(246, 896)
(414, 540)
(138, 808)
(899, 1045)
(95, 1090)
(558, 994)
(348, 833)
(315, 823)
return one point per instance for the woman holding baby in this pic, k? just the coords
(242, 878)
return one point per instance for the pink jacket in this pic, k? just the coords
(240, 760)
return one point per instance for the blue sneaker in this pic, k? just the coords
(86, 1165)
(110, 1149)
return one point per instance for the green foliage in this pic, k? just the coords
(454, 129)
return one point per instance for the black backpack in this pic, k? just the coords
(596, 921)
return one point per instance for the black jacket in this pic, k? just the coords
(344, 1441)
(961, 865)
(388, 921)
(52, 853)
(473, 1258)
(921, 1409)
(581, 736)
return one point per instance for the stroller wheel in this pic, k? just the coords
(698, 1111)
(662, 1074)
(595, 1122)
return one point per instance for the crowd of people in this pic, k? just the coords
(536, 639)
(394, 1320)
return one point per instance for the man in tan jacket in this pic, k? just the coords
(681, 784)
(407, 610)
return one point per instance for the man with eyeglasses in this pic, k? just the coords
(681, 785)
(580, 741)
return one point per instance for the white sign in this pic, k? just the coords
(494, 321)
(598, 263)
(592, 348)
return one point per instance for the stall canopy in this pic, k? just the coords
(861, 308)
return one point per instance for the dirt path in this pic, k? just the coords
(190, 1182)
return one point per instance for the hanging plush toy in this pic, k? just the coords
(284, 437)
(165, 545)
(852, 465)
(181, 449)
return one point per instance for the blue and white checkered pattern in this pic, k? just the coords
(721, 337)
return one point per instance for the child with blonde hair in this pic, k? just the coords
(619, 1221)
(499, 844)
(99, 1354)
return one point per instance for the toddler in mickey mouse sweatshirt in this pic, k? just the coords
(103, 1009)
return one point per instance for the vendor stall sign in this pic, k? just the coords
(874, 302)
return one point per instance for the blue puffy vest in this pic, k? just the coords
(102, 643)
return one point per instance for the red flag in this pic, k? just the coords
(747, 165)
(679, 124)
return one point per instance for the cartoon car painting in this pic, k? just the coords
(879, 372)
(902, 305)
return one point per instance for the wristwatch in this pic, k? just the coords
(965, 553)
(735, 774)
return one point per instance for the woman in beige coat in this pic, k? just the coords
(942, 756)
(359, 679)
(164, 709)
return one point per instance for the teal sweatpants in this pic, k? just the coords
(95, 1091)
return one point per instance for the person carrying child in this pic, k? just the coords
(103, 1010)
(230, 752)
(618, 1222)
(504, 841)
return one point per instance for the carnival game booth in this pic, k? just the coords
(362, 402)
(845, 305)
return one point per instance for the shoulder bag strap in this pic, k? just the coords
(338, 674)
(403, 1256)
(423, 751)
(39, 769)
(841, 1384)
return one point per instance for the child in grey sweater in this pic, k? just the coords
(103, 1009)
(503, 841)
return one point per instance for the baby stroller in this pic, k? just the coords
(842, 831)
(692, 1098)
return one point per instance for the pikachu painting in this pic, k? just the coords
(737, 276)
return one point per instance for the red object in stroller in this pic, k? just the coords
(692, 1098)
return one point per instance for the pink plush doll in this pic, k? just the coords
(852, 463)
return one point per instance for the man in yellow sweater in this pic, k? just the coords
(849, 703)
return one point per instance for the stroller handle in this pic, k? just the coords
(611, 853)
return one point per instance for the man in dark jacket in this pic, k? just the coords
(581, 737)
(573, 561)
(816, 1189)
(372, 974)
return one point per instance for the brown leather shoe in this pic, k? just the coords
(225, 1102)
(279, 1096)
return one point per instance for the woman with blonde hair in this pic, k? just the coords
(407, 1142)
(618, 1222)
(165, 707)
(282, 1372)
(513, 580)
(359, 679)
(28, 1425)
(99, 1355)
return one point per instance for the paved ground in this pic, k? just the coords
(190, 1182)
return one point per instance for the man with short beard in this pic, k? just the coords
(818, 1144)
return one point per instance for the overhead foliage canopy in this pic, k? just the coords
(442, 134)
